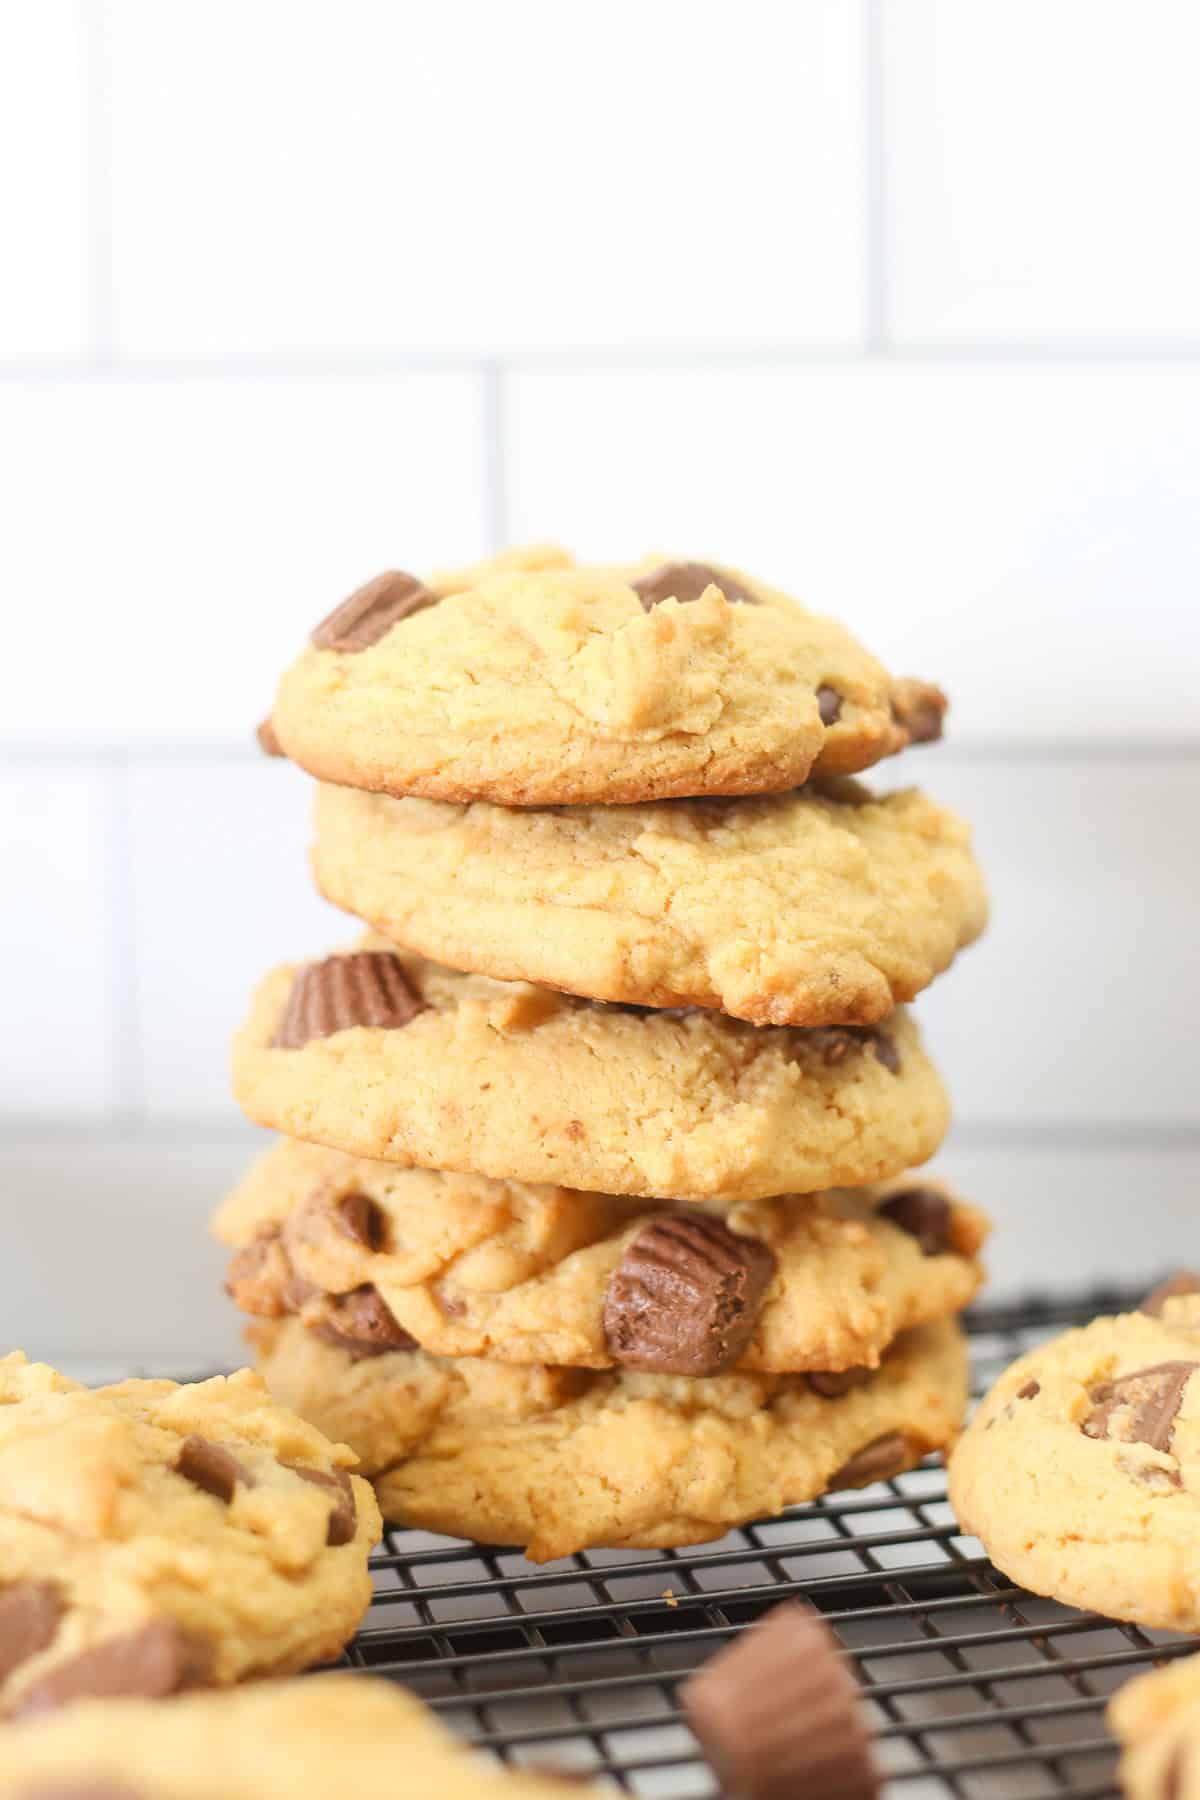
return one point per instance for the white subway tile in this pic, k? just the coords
(289, 178)
(45, 222)
(107, 1255)
(1026, 535)
(1080, 1003)
(56, 1054)
(1042, 168)
(1066, 1220)
(168, 544)
(221, 893)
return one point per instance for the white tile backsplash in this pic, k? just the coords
(221, 893)
(179, 538)
(45, 248)
(1024, 535)
(1041, 169)
(471, 177)
(58, 1053)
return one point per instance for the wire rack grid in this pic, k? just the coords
(974, 1687)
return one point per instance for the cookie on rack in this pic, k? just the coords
(1080, 1473)
(531, 681)
(372, 1257)
(283, 1740)
(824, 906)
(1157, 1720)
(560, 1460)
(382, 1054)
(156, 1537)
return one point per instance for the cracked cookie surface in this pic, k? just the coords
(531, 681)
(562, 1459)
(1080, 1473)
(285, 1740)
(155, 1537)
(524, 1083)
(818, 907)
(472, 1267)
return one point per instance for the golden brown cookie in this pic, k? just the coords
(824, 906)
(530, 681)
(563, 1459)
(384, 1055)
(373, 1257)
(156, 1537)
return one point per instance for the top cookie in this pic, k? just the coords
(1080, 1473)
(286, 1740)
(156, 1537)
(530, 681)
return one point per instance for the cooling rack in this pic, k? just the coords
(974, 1687)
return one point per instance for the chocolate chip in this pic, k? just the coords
(919, 709)
(371, 611)
(29, 1616)
(829, 704)
(343, 1520)
(1185, 1282)
(832, 1384)
(368, 987)
(207, 1465)
(685, 582)
(358, 1217)
(1029, 1390)
(1140, 1408)
(268, 742)
(882, 1457)
(684, 1298)
(886, 1052)
(778, 1715)
(156, 1660)
(362, 1320)
(834, 1043)
(924, 1214)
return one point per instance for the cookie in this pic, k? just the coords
(824, 906)
(1080, 1473)
(1157, 1719)
(284, 1740)
(530, 681)
(156, 1537)
(562, 1460)
(372, 1257)
(384, 1055)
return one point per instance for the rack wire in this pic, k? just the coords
(975, 1688)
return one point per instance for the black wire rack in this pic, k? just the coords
(974, 1687)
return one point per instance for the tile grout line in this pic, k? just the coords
(98, 178)
(128, 1095)
(875, 187)
(494, 448)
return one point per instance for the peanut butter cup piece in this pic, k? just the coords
(368, 987)
(210, 1467)
(919, 709)
(29, 1616)
(778, 1713)
(371, 611)
(343, 1518)
(363, 1322)
(684, 1298)
(156, 1660)
(1140, 1408)
(685, 582)
(882, 1458)
(1175, 1286)
(924, 1214)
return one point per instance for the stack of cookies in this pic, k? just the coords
(593, 1220)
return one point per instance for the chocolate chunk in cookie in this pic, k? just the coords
(829, 704)
(206, 1465)
(685, 582)
(684, 1298)
(156, 1660)
(831, 1384)
(29, 1616)
(367, 988)
(361, 1219)
(877, 1461)
(919, 709)
(362, 1321)
(924, 1214)
(343, 1517)
(1140, 1408)
(371, 611)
